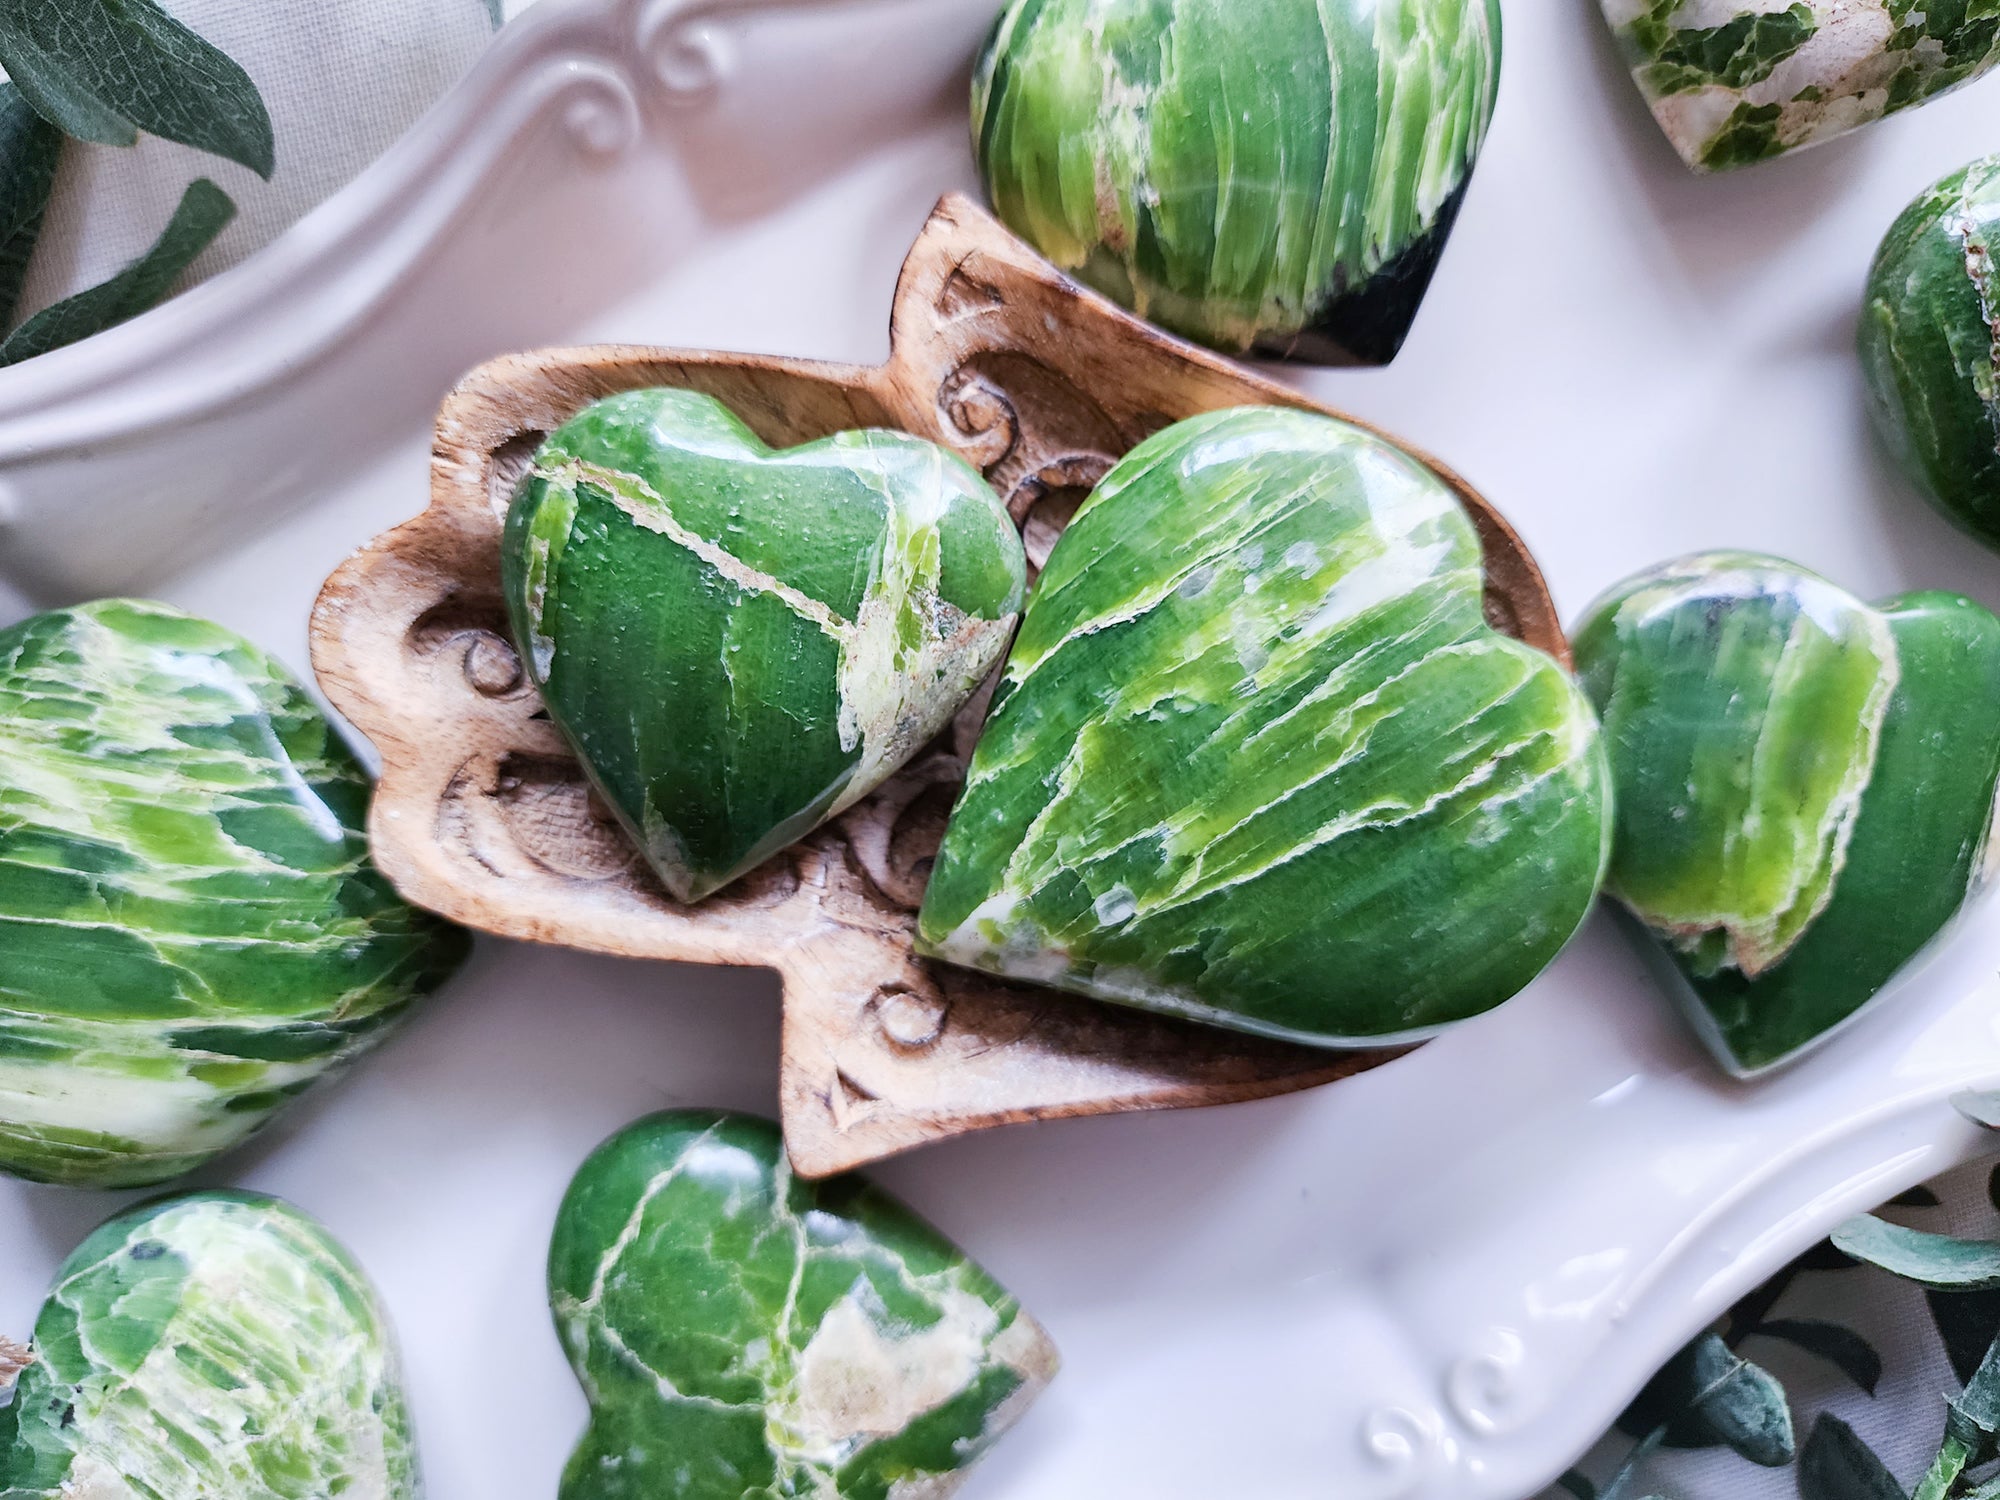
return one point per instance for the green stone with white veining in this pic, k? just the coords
(740, 1333)
(1738, 81)
(1805, 786)
(191, 933)
(214, 1346)
(742, 643)
(1276, 175)
(1930, 346)
(1258, 759)
(1742, 701)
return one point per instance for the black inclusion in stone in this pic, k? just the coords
(1367, 325)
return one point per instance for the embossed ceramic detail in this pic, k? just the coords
(215, 1344)
(1269, 175)
(738, 1331)
(739, 643)
(1258, 760)
(1738, 81)
(483, 812)
(574, 91)
(1805, 785)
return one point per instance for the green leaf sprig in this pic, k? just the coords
(1710, 1396)
(104, 71)
(1945, 1267)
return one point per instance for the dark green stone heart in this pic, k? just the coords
(1805, 785)
(742, 643)
(190, 930)
(741, 1333)
(214, 1346)
(1930, 350)
(1277, 175)
(1258, 759)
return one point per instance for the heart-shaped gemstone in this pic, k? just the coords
(740, 1332)
(190, 930)
(1737, 81)
(1804, 785)
(741, 643)
(215, 1345)
(1276, 175)
(1929, 347)
(1258, 759)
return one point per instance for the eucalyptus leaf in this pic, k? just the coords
(1841, 1347)
(29, 150)
(104, 70)
(1974, 1418)
(1837, 1465)
(1932, 1260)
(1967, 1323)
(1981, 1106)
(1709, 1396)
(496, 12)
(204, 210)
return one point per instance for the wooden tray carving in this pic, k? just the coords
(482, 814)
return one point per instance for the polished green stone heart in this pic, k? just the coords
(215, 1346)
(1805, 785)
(740, 644)
(1257, 758)
(190, 931)
(1738, 81)
(1277, 175)
(1930, 349)
(741, 1333)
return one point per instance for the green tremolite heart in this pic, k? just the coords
(1805, 785)
(1257, 758)
(740, 1333)
(190, 931)
(1929, 347)
(740, 643)
(216, 1346)
(1738, 81)
(1277, 175)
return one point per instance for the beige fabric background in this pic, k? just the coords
(342, 80)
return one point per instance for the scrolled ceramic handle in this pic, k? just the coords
(1625, 1193)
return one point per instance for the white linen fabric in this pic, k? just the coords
(342, 80)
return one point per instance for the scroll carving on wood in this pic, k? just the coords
(484, 815)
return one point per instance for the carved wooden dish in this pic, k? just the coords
(482, 813)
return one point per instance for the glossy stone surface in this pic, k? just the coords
(1739, 81)
(1268, 175)
(1805, 785)
(1257, 758)
(1930, 346)
(742, 643)
(214, 1346)
(739, 1332)
(190, 931)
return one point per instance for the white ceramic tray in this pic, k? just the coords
(1437, 1281)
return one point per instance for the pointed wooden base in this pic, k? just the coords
(483, 815)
